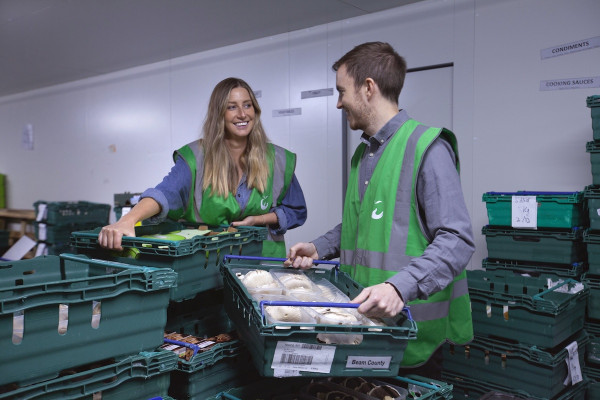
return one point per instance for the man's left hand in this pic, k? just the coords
(381, 301)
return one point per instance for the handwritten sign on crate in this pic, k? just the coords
(524, 212)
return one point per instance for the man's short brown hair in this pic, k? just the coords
(378, 61)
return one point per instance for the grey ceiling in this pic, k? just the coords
(46, 42)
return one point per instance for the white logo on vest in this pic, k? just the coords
(264, 204)
(375, 214)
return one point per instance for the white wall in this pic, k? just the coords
(116, 133)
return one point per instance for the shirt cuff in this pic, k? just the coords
(406, 285)
(282, 221)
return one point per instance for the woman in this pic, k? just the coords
(233, 175)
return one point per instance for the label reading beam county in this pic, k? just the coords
(368, 362)
(303, 357)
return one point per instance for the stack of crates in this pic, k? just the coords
(528, 303)
(74, 327)
(123, 202)
(592, 240)
(195, 314)
(56, 220)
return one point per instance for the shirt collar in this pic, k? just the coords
(387, 130)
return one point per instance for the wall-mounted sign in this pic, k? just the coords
(308, 94)
(570, 83)
(560, 50)
(286, 112)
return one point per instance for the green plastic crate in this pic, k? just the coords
(538, 372)
(593, 305)
(202, 315)
(137, 377)
(555, 209)
(523, 309)
(112, 310)
(4, 238)
(302, 389)
(592, 243)
(262, 339)
(195, 260)
(593, 349)
(544, 246)
(593, 102)
(591, 196)
(573, 271)
(593, 148)
(59, 233)
(593, 376)
(2, 191)
(73, 212)
(472, 388)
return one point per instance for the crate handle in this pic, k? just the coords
(552, 289)
(316, 262)
(264, 303)
(185, 344)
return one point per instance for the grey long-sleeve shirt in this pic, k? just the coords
(443, 213)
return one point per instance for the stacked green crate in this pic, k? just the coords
(123, 202)
(59, 313)
(591, 239)
(56, 220)
(528, 302)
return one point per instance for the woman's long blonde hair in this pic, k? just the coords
(220, 172)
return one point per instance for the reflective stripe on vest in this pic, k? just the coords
(438, 309)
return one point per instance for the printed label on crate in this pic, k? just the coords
(524, 212)
(303, 357)
(285, 373)
(363, 362)
(573, 367)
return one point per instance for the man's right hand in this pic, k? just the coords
(302, 255)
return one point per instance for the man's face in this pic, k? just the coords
(351, 100)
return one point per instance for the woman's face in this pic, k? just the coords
(239, 115)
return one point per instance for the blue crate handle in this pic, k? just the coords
(316, 262)
(264, 303)
(192, 346)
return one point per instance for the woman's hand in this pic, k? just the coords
(110, 236)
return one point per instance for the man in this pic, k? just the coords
(406, 234)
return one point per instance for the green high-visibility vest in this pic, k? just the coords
(383, 232)
(212, 209)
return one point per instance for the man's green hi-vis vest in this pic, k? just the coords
(203, 207)
(383, 233)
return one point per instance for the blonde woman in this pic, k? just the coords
(233, 175)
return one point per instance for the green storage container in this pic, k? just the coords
(593, 376)
(137, 377)
(303, 389)
(2, 191)
(593, 102)
(523, 309)
(202, 315)
(471, 388)
(573, 271)
(4, 238)
(591, 196)
(593, 148)
(593, 305)
(527, 367)
(554, 209)
(73, 212)
(592, 243)
(195, 260)
(59, 233)
(385, 344)
(58, 312)
(593, 350)
(543, 246)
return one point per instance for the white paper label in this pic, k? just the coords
(368, 362)
(41, 231)
(42, 212)
(524, 212)
(287, 112)
(285, 373)
(585, 44)
(573, 367)
(41, 250)
(308, 94)
(303, 357)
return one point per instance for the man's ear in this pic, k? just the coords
(370, 87)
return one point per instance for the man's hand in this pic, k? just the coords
(381, 301)
(301, 255)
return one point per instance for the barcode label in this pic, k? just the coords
(296, 359)
(294, 356)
